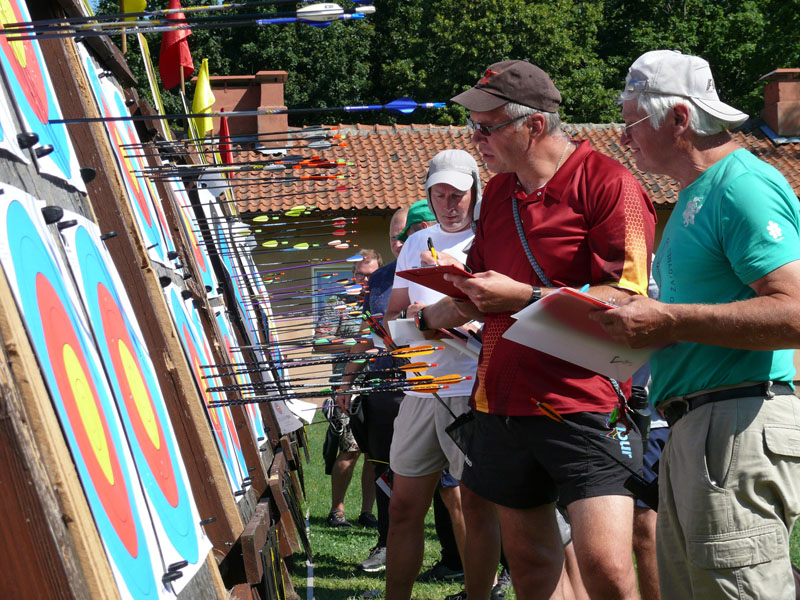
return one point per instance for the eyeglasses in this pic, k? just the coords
(487, 131)
(626, 129)
(357, 275)
(636, 86)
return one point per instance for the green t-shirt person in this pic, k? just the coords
(734, 224)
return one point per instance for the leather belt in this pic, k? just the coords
(676, 408)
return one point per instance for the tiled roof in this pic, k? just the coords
(390, 164)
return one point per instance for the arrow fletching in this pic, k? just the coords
(549, 411)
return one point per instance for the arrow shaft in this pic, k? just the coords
(154, 13)
(238, 113)
(164, 28)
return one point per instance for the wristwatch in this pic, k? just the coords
(536, 295)
(419, 321)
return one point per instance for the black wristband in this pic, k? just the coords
(536, 295)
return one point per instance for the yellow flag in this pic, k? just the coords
(203, 101)
(133, 6)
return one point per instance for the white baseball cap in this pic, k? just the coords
(459, 169)
(671, 73)
(455, 167)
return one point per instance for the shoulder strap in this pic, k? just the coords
(531, 258)
(543, 278)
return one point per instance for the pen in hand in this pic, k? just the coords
(432, 249)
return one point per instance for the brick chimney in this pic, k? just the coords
(782, 101)
(262, 91)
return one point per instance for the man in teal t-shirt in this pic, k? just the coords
(728, 268)
(737, 222)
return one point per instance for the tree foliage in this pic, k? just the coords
(431, 50)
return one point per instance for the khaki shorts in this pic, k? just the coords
(729, 494)
(420, 445)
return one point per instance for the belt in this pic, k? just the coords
(677, 408)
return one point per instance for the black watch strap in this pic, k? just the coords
(419, 321)
(536, 295)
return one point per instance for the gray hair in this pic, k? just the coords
(700, 122)
(552, 119)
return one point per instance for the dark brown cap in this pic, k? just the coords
(511, 81)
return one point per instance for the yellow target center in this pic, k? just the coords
(87, 408)
(7, 16)
(139, 394)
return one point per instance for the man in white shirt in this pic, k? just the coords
(421, 448)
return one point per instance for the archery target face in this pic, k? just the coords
(139, 398)
(74, 376)
(33, 92)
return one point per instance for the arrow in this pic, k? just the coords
(368, 354)
(321, 16)
(310, 132)
(181, 149)
(402, 105)
(419, 366)
(424, 388)
(338, 189)
(288, 162)
(263, 181)
(152, 13)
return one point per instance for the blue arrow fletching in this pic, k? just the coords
(403, 105)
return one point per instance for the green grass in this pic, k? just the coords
(336, 552)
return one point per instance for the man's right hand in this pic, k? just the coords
(442, 258)
(343, 402)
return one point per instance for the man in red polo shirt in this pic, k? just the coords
(586, 220)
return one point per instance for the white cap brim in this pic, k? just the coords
(722, 111)
(460, 181)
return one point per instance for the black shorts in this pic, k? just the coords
(524, 462)
(380, 410)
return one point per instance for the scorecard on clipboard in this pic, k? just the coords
(433, 277)
(559, 325)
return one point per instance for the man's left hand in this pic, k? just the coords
(638, 322)
(493, 292)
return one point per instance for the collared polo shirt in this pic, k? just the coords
(591, 223)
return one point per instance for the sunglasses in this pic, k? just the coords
(487, 131)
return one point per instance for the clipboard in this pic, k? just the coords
(559, 325)
(433, 277)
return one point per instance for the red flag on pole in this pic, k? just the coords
(175, 56)
(225, 149)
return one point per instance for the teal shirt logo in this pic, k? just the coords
(693, 207)
(775, 231)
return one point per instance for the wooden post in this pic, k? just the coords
(187, 412)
